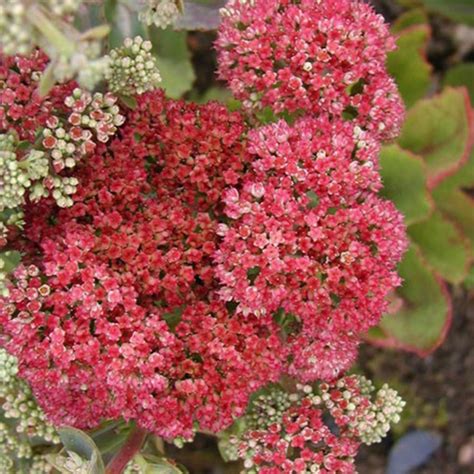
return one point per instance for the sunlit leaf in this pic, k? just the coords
(439, 129)
(444, 247)
(408, 63)
(422, 323)
(461, 75)
(404, 181)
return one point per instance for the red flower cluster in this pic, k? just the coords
(307, 235)
(200, 260)
(130, 324)
(301, 429)
(21, 106)
(311, 56)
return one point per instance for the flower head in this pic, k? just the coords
(312, 57)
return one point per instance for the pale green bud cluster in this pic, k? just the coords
(370, 416)
(12, 446)
(13, 179)
(133, 69)
(268, 409)
(40, 465)
(384, 411)
(160, 13)
(72, 463)
(84, 64)
(16, 34)
(19, 404)
(17, 176)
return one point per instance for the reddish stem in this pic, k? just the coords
(131, 447)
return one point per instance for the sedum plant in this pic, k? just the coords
(191, 269)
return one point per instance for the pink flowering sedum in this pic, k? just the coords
(202, 257)
(311, 57)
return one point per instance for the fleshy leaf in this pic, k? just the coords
(444, 247)
(47, 80)
(408, 64)
(440, 129)
(173, 59)
(455, 198)
(403, 176)
(461, 75)
(10, 259)
(158, 465)
(78, 442)
(422, 323)
(414, 16)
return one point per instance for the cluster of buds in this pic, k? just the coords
(99, 113)
(16, 175)
(278, 422)
(11, 447)
(72, 463)
(40, 465)
(353, 404)
(84, 64)
(66, 142)
(16, 33)
(19, 404)
(161, 13)
(133, 69)
(268, 409)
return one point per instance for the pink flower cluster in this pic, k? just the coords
(312, 57)
(299, 431)
(291, 433)
(202, 259)
(309, 236)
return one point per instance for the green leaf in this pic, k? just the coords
(414, 16)
(173, 59)
(157, 465)
(455, 198)
(421, 324)
(408, 64)
(469, 281)
(129, 101)
(444, 247)
(404, 180)
(47, 80)
(439, 130)
(11, 259)
(458, 10)
(461, 75)
(78, 442)
(96, 33)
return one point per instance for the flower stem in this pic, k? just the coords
(56, 37)
(131, 446)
